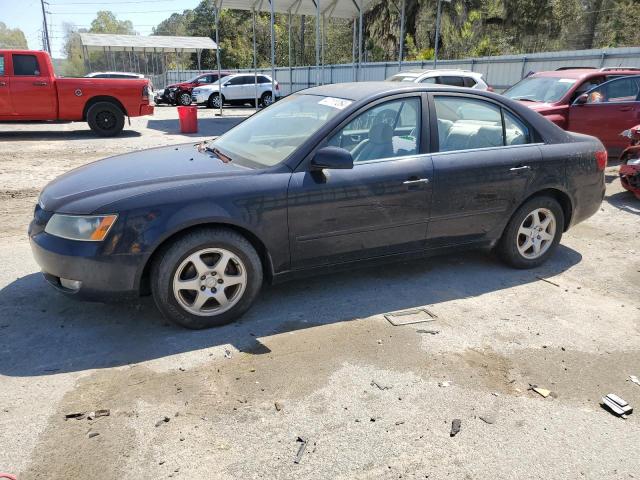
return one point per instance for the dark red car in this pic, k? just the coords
(180, 93)
(611, 105)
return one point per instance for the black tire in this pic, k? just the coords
(105, 119)
(507, 247)
(212, 100)
(266, 99)
(184, 99)
(170, 258)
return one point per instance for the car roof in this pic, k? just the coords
(360, 90)
(582, 73)
(418, 72)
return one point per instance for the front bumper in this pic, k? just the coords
(199, 98)
(103, 276)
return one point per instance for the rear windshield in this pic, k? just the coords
(540, 89)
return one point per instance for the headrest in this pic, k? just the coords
(380, 133)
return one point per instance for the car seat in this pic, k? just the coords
(378, 145)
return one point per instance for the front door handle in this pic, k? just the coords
(417, 180)
(3, 84)
(626, 109)
(520, 169)
(40, 84)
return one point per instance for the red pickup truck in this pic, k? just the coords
(30, 90)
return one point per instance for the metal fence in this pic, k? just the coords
(500, 71)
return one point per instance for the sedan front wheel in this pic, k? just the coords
(207, 278)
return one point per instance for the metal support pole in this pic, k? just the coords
(360, 28)
(353, 49)
(323, 37)
(217, 10)
(401, 49)
(273, 52)
(290, 62)
(317, 42)
(255, 59)
(435, 52)
(46, 27)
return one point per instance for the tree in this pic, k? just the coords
(12, 37)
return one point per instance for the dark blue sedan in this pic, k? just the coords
(328, 177)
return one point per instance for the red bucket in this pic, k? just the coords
(188, 119)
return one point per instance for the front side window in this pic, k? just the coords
(616, 91)
(466, 123)
(271, 135)
(236, 81)
(389, 130)
(1, 64)
(25, 65)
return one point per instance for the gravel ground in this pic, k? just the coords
(317, 359)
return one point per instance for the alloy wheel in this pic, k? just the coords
(210, 281)
(536, 233)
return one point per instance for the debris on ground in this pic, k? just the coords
(161, 421)
(408, 317)
(539, 390)
(279, 406)
(105, 412)
(634, 379)
(488, 418)
(381, 386)
(92, 434)
(455, 427)
(76, 415)
(303, 446)
(446, 383)
(227, 353)
(617, 405)
(548, 281)
(400, 422)
(430, 332)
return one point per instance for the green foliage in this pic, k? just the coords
(11, 37)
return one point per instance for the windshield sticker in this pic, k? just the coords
(567, 80)
(338, 103)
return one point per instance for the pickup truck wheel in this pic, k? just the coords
(533, 233)
(105, 119)
(184, 99)
(207, 278)
(214, 101)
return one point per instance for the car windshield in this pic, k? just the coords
(270, 136)
(540, 89)
(402, 78)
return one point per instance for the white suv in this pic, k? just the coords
(238, 88)
(456, 78)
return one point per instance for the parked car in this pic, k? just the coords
(630, 161)
(30, 90)
(455, 78)
(555, 94)
(114, 75)
(180, 93)
(237, 89)
(327, 178)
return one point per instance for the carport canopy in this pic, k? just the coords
(140, 43)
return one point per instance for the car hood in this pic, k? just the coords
(182, 84)
(86, 189)
(537, 106)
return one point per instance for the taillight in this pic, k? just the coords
(145, 92)
(601, 159)
(277, 86)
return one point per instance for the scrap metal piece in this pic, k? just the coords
(408, 317)
(455, 427)
(76, 415)
(634, 379)
(303, 446)
(617, 405)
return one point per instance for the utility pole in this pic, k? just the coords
(46, 29)
(435, 50)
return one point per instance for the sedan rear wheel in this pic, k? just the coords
(207, 278)
(533, 233)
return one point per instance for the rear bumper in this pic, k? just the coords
(103, 277)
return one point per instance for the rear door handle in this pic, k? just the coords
(3, 84)
(626, 109)
(40, 84)
(417, 180)
(520, 169)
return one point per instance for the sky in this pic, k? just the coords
(27, 16)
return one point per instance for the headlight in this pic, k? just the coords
(634, 161)
(89, 228)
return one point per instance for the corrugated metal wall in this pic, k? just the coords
(500, 72)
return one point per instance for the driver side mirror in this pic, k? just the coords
(582, 99)
(332, 158)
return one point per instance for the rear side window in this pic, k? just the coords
(465, 123)
(1, 64)
(454, 81)
(469, 82)
(429, 80)
(25, 65)
(263, 79)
